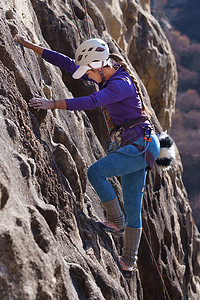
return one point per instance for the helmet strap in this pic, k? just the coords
(100, 71)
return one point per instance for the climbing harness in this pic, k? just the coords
(116, 141)
(115, 132)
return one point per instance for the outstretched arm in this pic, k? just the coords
(114, 92)
(57, 59)
(22, 40)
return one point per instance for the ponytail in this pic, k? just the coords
(119, 60)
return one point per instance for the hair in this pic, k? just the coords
(119, 60)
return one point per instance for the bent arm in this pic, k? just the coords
(22, 40)
(80, 103)
(60, 60)
(57, 59)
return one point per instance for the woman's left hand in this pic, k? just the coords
(41, 103)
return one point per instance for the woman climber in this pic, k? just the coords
(136, 146)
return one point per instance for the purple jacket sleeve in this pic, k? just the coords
(60, 60)
(115, 91)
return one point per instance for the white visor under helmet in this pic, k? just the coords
(93, 52)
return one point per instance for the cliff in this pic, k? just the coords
(51, 246)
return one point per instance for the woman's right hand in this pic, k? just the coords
(22, 40)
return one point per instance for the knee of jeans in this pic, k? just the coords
(91, 172)
(133, 216)
(134, 222)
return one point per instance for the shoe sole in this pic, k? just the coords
(111, 230)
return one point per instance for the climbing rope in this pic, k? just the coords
(154, 260)
(86, 18)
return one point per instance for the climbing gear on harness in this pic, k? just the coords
(167, 151)
(128, 261)
(149, 157)
(114, 215)
(147, 138)
(91, 54)
(109, 123)
(115, 134)
(117, 142)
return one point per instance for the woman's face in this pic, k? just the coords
(94, 74)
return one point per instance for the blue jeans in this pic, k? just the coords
(131, 170)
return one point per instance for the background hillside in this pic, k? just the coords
(181, 23)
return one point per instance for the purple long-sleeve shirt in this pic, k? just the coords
(118, 95)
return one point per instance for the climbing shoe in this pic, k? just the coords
(111, 227)
(114, 215)
(126, 270)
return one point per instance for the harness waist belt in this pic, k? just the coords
(129, 124)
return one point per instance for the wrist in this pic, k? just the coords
(28, 45)
(54, 104)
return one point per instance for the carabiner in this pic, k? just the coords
(147, 138)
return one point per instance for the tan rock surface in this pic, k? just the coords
(50, 244)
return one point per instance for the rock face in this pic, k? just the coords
(51, 246)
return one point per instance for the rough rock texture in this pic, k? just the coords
(50, 244)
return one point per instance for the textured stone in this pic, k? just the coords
(51, 246)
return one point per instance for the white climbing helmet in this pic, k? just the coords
(93, 52)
